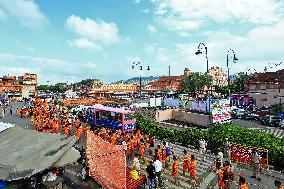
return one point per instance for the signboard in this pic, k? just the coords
(171, 102)
(199, 106)
(220, 109)
(244, 154)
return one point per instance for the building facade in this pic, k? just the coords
(21, 87)
(219, 77)
(166, 83)
(266, 88)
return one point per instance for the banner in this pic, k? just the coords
(155, 102)
(243, 154)
(107, 162)
(220, 109)
(171, 102)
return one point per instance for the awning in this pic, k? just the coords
(24, 152)
(71, 156)
(4, 126)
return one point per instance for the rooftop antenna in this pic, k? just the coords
(169, 70)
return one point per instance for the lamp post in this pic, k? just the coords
(140, 67)
(200, 51)
(234, 59)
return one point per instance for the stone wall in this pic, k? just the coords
(148, 113)
(198, 119)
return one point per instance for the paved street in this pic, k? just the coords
(278, 132)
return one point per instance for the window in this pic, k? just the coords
(128, 116)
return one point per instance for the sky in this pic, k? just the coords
(71, 40)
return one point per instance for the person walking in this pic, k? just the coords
(186, 162)
(151, 175)
(158, 169)
(11, 110)
(255, 163)
(175, 169)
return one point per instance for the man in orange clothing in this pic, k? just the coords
(186, 162)
(66, 130)
(32, 119)
(242, 183)
(220, 176)
(85, 129)
(113, 138)
(158, 153)
(37, 125)
(79, 131)
(193, 167)
(175, 169)
(129, 146)
(142, 149)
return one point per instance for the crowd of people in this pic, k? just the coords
(45, 116)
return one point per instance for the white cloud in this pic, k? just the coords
(184, 34)
(150, 49)
(26, 11)
(137, 1)
(255, 50)
(145, 11)
(191, 14)
(151, 29)
(95, 30)
(85, 44)
(55, 70)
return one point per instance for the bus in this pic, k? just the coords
(114, 118)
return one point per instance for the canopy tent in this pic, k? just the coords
(24, 153)
(71, 156)
(4, 126)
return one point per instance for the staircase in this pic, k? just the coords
(183, 181)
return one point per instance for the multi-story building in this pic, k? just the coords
(266, 88)
(22, 87)
(99, 89)
(166, 83)
(219, 77)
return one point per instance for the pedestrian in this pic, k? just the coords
(193, 168)
(11, 110)
(158, 169)
(226, 179)
(17, 112)
(255, 163)
(242, 183)
(278, 184)
(186, 162)
(151, 175)
(136, 163)
(3, 113)
(220, 155)
(175, 169)
(202, 147)
(227, 150)
(220, 176)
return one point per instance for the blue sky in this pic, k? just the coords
(66, 41)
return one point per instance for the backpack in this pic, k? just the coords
(168, 151)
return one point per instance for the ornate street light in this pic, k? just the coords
(234, 59)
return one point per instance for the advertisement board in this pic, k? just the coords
(220, 109)
(171, 102)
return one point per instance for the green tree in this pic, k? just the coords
(43, 88)
(223, 90)
(237, 83)
(195, 82)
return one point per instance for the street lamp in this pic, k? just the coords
(138, 65)
(201, 47)
(234, 59)
(200, 51)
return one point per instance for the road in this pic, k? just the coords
(276, 131)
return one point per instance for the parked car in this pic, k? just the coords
(281, 124)
(240, 113)
(251, 116)
(270, 120)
